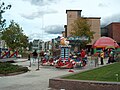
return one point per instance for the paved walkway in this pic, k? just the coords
(35, 80)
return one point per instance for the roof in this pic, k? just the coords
(91, 17)
(73, 10)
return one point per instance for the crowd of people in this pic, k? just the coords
(34, 55)
(110, 54)
(77, 57)
(46, 56)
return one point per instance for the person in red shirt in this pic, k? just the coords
(83, 53)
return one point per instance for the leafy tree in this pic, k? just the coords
(3, 8)
(81, 28)
(14, 37)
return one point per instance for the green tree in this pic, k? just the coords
(81, 28)
(14, 36)
(3, 8)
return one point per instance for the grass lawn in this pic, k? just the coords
(7, 68)
(105, 73)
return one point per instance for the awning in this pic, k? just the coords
(105, 42)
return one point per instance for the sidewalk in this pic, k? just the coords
(34, 65)
(21, 60)
(7, 59)
(35, 80)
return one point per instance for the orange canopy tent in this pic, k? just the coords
(105, 42)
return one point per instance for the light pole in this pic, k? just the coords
(38, 64)
(114, 48)
(117, 75)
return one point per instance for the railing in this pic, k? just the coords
(8, 54)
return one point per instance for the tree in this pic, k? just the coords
(14, 37)
(81, 28)
(3, 8)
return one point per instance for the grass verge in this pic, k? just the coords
(106, 73)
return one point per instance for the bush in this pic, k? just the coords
(7, 68)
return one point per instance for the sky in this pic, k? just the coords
(45, 19)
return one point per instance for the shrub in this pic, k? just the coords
(6, 68)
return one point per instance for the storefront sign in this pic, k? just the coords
(77, 38)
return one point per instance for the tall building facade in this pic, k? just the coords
(94, 22)
(38, 45)
(113, 31)
(72, 15)
(95, 27)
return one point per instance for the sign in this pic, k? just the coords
(77, 38)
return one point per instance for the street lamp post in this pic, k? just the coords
(117, 79)
(38, 64)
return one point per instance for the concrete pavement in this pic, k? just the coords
(35, 80)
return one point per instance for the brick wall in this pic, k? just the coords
(72, 15)
(58, 84)
(95, 27)
(114, 31)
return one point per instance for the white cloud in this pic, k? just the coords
(38, 14)
(54, 29)
(42, 2)
(28, 14)
(43, 36)
(102, 5)
(110, 19)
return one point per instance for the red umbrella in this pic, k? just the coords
(105, 42)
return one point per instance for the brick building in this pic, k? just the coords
(113, 31)
(72, 15)
(94, 22)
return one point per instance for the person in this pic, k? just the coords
(34, 56)
(111, 57)
(101, 57)
(83, 55)
(117, 56)
(46, 56)
(28, 56)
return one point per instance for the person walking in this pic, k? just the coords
(34, 56)
(101, 57)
